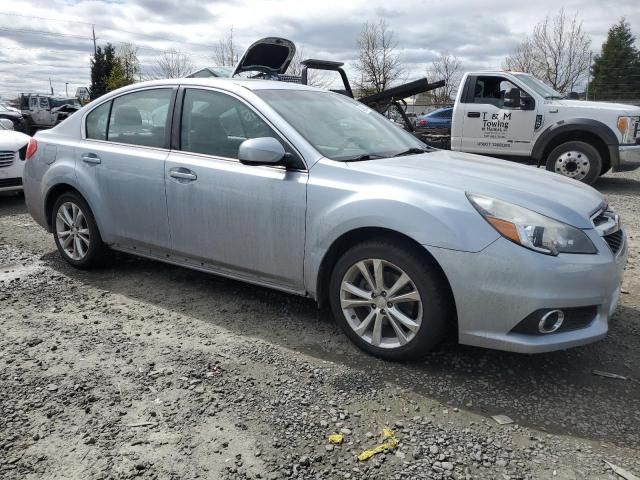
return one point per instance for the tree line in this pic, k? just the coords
(558, 51)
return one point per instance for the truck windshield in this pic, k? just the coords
(539, 87)
(339, 127)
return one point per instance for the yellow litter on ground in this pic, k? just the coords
(390, 443)
(336, 438)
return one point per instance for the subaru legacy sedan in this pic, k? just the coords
(310, 192)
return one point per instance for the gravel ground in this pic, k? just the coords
(152, 371)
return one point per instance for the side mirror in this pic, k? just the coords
(6, 124)
(512, 97)
(261, 151)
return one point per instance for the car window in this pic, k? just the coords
(44, 102)
(97, 122)
(447, 113)
(33, 101)
(491, 90)
(140, 118)
(215, 123)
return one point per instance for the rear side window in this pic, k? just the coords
(97, 122)
(216, 124)
(44, 102)
(140, 118)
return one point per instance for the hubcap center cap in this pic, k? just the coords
(381, 302)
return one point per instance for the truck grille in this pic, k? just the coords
(6, 158)
(10, 182)
(615, 241)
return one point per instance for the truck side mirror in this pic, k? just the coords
(512, 97)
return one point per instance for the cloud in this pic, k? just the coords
(52, 38)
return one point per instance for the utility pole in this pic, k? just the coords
(93, 31)
(51, 85)
(66, 88)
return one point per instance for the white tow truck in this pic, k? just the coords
(518, 117)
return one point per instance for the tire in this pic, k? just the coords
(578, 160)
(353, 311)
(86, 250)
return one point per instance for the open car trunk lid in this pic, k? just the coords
(271, 55)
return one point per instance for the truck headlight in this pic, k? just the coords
(530, 229)
(628, 128)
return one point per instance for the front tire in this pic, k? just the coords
(390, 300)
(578, 160)
(76, 233)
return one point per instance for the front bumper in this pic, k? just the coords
(497, 288)
(629, 153)
(11, 175)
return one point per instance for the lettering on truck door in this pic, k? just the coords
(490, 127)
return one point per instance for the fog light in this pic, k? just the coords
(551, 321)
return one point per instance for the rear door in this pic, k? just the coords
(487, 126)
(243, 220)
(123, 154)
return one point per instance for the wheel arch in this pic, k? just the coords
(359, 235)
(54, 193)
(587, 130)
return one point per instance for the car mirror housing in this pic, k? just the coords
(512, 98)
(261, 151)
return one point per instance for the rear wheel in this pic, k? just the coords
(389, 300)
(578, 160)
(76, 233)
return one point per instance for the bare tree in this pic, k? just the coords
(314, 77)
(226, 53)
(378, 63)
(446, 67)
(172, 64)
(557, 52)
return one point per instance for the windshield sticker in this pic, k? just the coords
(495, 125)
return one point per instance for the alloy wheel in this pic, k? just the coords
(381, 303)
(72, 231)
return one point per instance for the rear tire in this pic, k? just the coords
(76, 233)
(578, 160)
(399, 310)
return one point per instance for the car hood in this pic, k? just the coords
(12, 140)
(544, 192)
(620, 108)
(269, 55)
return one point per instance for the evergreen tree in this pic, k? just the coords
(101, 67)
(616, 71)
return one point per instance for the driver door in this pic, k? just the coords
(491, 128)
(245, 221)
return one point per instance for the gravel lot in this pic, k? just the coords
(147, 370)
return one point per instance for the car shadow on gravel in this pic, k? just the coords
(12, 204)
(555, 392)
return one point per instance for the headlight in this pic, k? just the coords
(627, 126)
(530, 229)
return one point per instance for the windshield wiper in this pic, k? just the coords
(364, 156)
(411, 151)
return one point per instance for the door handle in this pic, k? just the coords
(91, 158)
(182, 174)
(473, 114)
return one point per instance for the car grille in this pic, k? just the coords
(10, 182)
(6, 159)
(615, 241)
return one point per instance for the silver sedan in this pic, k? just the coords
(310, 192)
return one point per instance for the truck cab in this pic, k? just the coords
(46, 111)
(516, 116)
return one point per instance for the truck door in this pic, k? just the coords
(488, 126)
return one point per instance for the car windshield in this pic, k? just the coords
(540, 87)
(339, 127)
(58, 102)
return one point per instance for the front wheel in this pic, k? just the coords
(389, 300)
(578, 160)
(76, 233)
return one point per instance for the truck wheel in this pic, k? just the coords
(389, 300)
(577, 160)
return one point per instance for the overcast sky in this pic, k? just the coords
(42, 39)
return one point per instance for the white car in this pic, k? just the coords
(13, 150)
